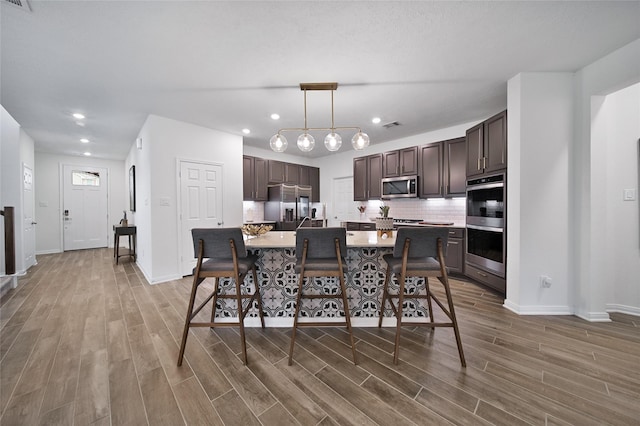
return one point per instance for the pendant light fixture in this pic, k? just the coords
(306, 142)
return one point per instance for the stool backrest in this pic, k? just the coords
(424, 241)
(321, 242)
(216, 242)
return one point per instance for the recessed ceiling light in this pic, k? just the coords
(84, 140)
(246, 131)
(78, 116)
(80, 123)
(88, 154)
(376, 120)
(275, 116)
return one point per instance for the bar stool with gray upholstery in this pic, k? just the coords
(226, 256)
(419, 252)
(320, 253)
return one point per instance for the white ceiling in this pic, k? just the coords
(229, 65)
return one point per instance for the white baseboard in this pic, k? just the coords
(537, 309)
(623, 309)
(594, 316)
(52, 251)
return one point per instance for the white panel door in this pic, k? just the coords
(29, 236)
(200, 205)
(84, 211)
(342, 201)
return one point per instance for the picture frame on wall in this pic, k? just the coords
(132, 188)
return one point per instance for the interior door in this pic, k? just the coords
(343, 206)
(84, 211)
(200, 205)
(29, 236)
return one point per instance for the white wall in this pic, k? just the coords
(16, 149)
(164, 142)
(540, 133)
(615, 71)
(48, 197)
(622, 115)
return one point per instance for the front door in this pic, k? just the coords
(84, 211)
(200, 205)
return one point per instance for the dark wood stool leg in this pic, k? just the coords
(187, 321)
(215, 299)
(396, 350)
(295, 317)
(385, 295)
(347, 315)
(452, 315)
(426, 284)
(239, 279)
(259, 296)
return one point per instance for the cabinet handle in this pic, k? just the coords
(478, 163)
(484, 162)
(481, 274)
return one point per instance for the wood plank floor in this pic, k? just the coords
(85, 341)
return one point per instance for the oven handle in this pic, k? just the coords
(485, 228)
(485, 186)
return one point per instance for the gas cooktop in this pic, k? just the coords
(407, 220)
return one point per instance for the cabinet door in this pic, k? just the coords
(303, 175)
(475, 141)
(276, 171)
(455, 255)
(495, 143)
(374, 166)
(314, 181)
(260, 180)
(455, 173)
(391, 164)
(360, 179)
(291, 173)
(409, 161)
(431, 170)
(247, 178)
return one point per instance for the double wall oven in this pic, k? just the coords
(486, 240)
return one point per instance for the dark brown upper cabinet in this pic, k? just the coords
(455, 159)
(314, 181)
(254, 172)
(487, 146)
(291, 173)
(402, 162)
(430, 180)
(367, 177)
(276, 171)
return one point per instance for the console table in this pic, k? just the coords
(119, 231)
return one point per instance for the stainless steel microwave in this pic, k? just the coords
(400, 187)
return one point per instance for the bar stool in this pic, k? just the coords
(226, 256)
(319, 254)
(419, 252)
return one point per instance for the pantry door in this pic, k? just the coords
(200, 205)
(84, 207)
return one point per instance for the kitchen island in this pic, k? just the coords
(364, 279)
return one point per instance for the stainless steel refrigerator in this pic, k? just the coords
(287, 205)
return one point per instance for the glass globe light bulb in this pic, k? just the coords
(278, 143)
(333, 141)
(306, 142)
(360, 141)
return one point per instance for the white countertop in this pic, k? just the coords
(287, 239)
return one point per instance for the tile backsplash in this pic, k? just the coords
(432, 209)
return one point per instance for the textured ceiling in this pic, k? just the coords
(229, 65)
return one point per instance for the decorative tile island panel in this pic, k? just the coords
(364, 280)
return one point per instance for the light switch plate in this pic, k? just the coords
(629, 194)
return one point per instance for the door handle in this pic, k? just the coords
(220, 223)
(34, 223)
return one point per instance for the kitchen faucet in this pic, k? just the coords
(303, 219)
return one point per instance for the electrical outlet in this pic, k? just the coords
(545, 281)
